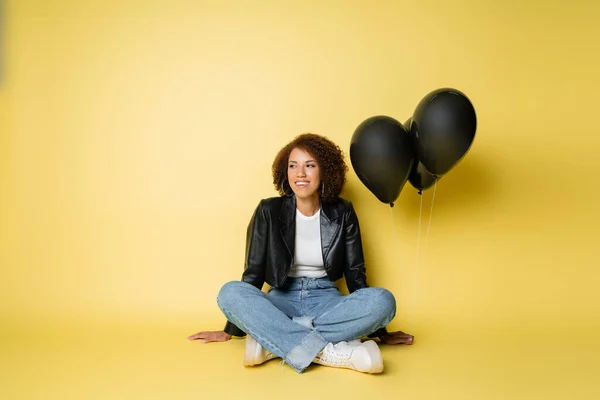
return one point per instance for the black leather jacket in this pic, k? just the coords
(270, 245)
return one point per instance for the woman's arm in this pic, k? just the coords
(355, 274)
(256, 257)
(354, 270)
(356, 277)
(256, 248)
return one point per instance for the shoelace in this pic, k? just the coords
(338, 354)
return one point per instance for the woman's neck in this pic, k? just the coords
(309, 206)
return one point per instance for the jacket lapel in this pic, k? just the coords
(287, 217)
(329, 227)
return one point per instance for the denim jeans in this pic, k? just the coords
(297, 321)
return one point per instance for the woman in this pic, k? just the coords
(300, 243)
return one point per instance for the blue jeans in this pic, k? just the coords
(297, 321)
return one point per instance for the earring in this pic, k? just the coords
(285, 193)
(322, 188)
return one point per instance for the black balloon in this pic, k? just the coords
(382, 156)
(419, 177)
(443, 128)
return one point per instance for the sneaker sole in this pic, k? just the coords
(253, 352)
(377, 360)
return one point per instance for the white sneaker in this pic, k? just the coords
(363, 357)
(255, 354)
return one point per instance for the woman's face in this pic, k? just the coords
(303, 173)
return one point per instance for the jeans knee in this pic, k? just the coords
(386, 303)
(229, 292)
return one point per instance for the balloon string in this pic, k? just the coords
(416, 267)
(430, 214)
(394, 230)
(395, 237)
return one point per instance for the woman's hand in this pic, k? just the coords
(210, 336)
(397, 338)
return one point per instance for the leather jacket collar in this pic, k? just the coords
(329, 224)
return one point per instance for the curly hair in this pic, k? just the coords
(328, 155)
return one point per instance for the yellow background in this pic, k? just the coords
(137, 138)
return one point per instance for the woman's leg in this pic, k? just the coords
(253, 312)
(342, 318)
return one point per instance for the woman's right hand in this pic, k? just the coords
(210, 336)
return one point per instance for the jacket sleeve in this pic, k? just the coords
(255, 260)
(354, 270)
(355, 274)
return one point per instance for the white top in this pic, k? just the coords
(308, 257)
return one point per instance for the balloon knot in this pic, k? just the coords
(420, 192)
(392, 205)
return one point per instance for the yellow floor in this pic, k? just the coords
(145, 361)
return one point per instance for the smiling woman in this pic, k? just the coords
(304, 178)
(300, 243)
(325, 155)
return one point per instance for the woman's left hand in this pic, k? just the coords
(397, 338)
